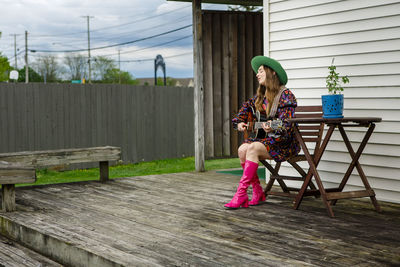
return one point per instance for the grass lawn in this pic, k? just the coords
(144, 168)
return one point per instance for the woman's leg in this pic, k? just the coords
(260, 151)
(252, 153)
(242, 153)
(257, 151)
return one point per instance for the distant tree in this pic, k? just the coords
(5, 68)
(113, 75)
(76, 66)
(49, 68)
(170, 81)
(33, 75)
(245, 8)
(102, 65)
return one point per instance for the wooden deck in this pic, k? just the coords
(179, 220)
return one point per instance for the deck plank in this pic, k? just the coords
(179, 219)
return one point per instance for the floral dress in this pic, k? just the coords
(286, 145)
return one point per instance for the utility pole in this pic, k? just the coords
(15, 50)
(26, 58)
(119, 65)
(88, 35)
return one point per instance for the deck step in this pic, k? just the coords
(54, 246)
(13, 254)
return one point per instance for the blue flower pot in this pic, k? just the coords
(332, 106)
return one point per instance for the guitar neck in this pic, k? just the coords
(275, 125)
(258, 124)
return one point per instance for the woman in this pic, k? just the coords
(278, 146)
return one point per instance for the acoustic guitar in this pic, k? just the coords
(255, 129)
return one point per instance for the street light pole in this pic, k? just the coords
(26, 58)
(15, 50)
(88, 34)
(119, 65)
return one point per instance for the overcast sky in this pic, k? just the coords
(61, 25)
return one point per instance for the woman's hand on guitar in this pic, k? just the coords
(266, 126)
(241, 126)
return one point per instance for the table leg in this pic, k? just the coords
(313, 169)
(355, 163)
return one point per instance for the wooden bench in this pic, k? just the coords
(11, 174)
(19, 167)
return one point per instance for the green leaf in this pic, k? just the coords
(333, 79)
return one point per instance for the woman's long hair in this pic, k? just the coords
(270, 88)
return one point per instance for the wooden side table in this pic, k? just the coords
(330, 195)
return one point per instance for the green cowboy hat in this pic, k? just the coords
(257, 61)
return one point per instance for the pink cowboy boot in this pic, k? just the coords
(240, 199)
(258, 192)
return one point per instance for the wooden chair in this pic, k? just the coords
(312, 134)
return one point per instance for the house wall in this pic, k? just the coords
(364, 39)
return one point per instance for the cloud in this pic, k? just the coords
(60, 25)
(169, 6)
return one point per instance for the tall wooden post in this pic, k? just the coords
(198, 87)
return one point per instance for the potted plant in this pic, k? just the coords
(332, 104)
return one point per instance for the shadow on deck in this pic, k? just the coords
(179, 220)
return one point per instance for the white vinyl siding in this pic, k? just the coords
(364, 39)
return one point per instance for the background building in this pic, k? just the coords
(364, 39)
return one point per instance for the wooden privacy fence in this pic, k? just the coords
(148, 123)
(230, 41)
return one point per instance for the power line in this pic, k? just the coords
(10, 36)
(140, 20)
(124, 34)
(136, 60)
(136, 50)
(17, 54)
(132, 51)
(150, 59)
(114, 26)
(183, 54)
(121, 34)
(114, 45)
